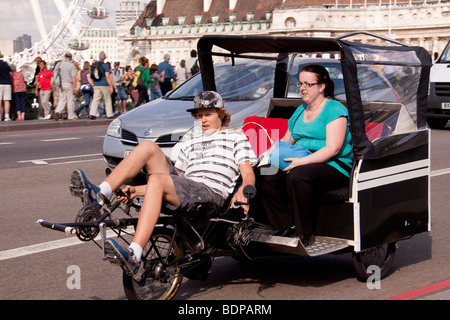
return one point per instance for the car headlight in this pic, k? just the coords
(115, 128)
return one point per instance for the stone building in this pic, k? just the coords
(174, 26)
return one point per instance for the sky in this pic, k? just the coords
(19, 18)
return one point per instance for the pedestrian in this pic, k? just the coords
(121, 97)
(181, 73)
(77, 94)
(44, 90)
(56, 84)
(169, 74)
(146, 80)
(67, 74)
(86, 89)
(103, 87)
(19, 88)
(190, 62)
(127, 80)
(5, 89)
(155, 88)
(37, 60)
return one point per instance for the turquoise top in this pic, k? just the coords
(312, 135)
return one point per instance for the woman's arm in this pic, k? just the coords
(335, 136)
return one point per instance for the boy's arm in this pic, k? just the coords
(248, 177)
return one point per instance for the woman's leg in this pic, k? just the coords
(304, 186)
(275, 200)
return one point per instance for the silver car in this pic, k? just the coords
(246, 87)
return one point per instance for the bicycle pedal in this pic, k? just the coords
(76, 186)
(112, 258)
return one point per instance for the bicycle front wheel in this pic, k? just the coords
(159, 277)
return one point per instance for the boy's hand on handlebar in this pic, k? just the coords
(128, 193)
(240, 198)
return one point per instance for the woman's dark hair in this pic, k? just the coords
(322, 76)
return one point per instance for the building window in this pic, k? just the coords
(290, 22)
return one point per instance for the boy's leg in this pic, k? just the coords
(147, 154)
(159, 187)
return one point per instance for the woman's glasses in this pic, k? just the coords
(306, 84)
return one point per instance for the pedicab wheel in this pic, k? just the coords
(381, 257)
(156, 279)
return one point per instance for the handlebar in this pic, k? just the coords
(249, 193)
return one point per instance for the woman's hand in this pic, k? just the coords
(294, 163)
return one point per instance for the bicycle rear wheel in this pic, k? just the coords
(382, 257)
(156, 279)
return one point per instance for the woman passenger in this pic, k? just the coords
(321, 125)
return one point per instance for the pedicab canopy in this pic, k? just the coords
(375, 113)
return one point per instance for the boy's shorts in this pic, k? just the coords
(192, 194)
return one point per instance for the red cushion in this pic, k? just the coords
(262, 132)
(376, 130)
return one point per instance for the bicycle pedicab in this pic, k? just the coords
(384, 87)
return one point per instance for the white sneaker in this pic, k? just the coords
(47, 117)
(7, 119)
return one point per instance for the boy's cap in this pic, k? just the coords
(207, 99)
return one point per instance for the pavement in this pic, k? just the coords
(436, 291)
(14, 126)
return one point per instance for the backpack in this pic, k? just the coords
(195, 69)
(137, 79)
(97, 71)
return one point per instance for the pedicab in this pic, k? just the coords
(384, 84)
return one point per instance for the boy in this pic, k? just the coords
(207, 168)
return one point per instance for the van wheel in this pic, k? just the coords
(381, 257)
(437, 123)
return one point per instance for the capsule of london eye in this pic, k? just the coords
(79, 44)
(98, 12)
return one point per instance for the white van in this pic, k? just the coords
(438, 111)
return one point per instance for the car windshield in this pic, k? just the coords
(445, 56)
(246, 80)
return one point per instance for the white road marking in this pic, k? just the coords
(6, 143)
(59, 158)
(45, 246)
(60, 139)
(440, 172)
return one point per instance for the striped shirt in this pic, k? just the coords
(214, 159)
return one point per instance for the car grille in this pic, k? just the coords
(129, 137)
(442, 89)
(166, 140)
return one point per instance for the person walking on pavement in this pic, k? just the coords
(146, 81)
(103, 87)
(121, 97)
(190, 62)
(155, 86)
(67, 73)
(86, 88)
(19, 88)
(44, 82)
(5, 89)
(165, 66)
